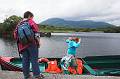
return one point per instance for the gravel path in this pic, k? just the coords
(19, 75)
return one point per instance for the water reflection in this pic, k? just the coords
(92, 44)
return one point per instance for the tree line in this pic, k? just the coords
(9, 24)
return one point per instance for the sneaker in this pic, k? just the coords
(30, 77)
(40, 77)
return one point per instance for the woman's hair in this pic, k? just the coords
(76, 39)
(28, 14)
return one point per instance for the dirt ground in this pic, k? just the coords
(19, 75)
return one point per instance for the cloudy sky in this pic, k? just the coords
(97, 10)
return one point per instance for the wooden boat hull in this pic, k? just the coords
(15, 64)
(103, 65)
(94, 65)
(7, 65)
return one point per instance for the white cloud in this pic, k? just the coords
(99, 10)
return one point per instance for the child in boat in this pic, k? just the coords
(69, 60)
(73, 43)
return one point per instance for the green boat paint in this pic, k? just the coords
(93, 65)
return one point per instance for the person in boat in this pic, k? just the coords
(69, 59)
(29, 50)
(73, 43)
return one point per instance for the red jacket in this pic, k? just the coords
(35, 29)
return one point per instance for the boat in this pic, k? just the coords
(92, 65)
(45, 34)
(103, 65)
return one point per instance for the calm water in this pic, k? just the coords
(92, 44)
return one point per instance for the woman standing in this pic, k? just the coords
(29, 51)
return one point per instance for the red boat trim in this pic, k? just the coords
(5, 63)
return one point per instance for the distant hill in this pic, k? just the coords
(77, 24)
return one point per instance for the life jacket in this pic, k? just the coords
(53, 67)
(79, 69)
(79, 66)
(44, 60)
(72, 70)
(65, 64)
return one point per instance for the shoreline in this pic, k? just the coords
(19, 75)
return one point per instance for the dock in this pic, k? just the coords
(19, 75)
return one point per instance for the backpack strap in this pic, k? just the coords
(18, 50)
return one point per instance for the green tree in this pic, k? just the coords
(9, 25)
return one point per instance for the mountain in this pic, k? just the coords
(77, 24)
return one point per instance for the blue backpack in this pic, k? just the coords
(25, 33)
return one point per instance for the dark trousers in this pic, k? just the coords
(30, 54)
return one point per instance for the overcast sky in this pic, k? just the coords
(97, 10)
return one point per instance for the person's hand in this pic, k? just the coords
(70, 38)
(79, 40)
(39, 45)
(38, 42)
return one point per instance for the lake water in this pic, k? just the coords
(92, 44)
